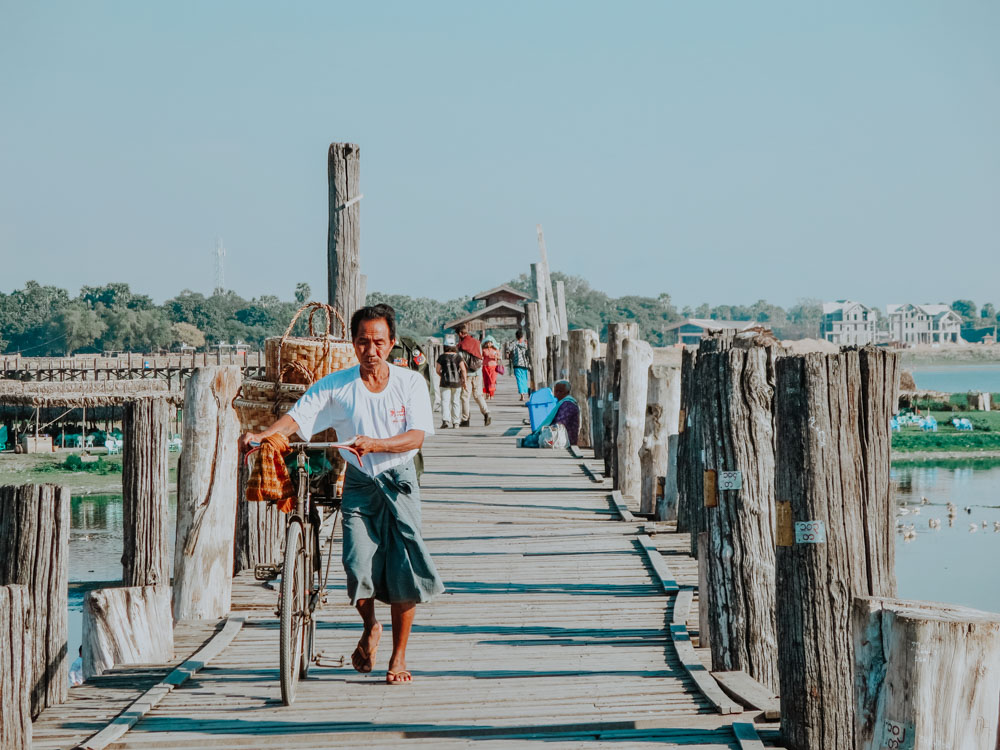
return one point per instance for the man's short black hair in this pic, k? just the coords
(374, 312)
(520, 333)
(461, 328)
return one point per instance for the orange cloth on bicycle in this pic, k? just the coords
(269, 480)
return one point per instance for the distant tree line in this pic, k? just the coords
(47, 321)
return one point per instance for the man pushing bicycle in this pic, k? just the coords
(386, 411)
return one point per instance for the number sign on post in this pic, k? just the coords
(730, 480)
(810, 532)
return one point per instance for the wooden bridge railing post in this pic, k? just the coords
(658, 456)
(686, 464)
(34, 552)
(344, 229)
(637, 356)
(260, 527)
(834, 530)
(617, 333)
(598, 403)
(206, 496)
(584, 346)
(536, 345)
(924, 674)
(15, 668)
(737, 438)
(145, 491)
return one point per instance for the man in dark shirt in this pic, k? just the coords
(451, 368)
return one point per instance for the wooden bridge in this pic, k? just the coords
(567, 622)
(173, 368)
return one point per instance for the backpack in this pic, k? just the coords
(472, 362)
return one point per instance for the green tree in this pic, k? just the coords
(25, 315)
(988, 312)
(185, 333)
(74, 327)
(966, 308)
(114, 295)
(302, 292)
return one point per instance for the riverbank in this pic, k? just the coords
(950, 354)
(41, 468)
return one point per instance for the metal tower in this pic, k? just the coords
(220, 256)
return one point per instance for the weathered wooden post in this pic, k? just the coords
(584, 346)
(260, 527)
(926, 675)
(541, 298)
(617, 333)
(34, 527)
(15, 667)
(658, 455)
(145, 425)
(685, 451)
(130, 625)
(736, 429)
(536, 345)
(344, 233)
(637, 356)
(554, 344)
(206, 496)
(596, 380)
(834, 530)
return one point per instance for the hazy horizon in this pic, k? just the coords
(720, 153)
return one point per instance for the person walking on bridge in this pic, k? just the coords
(472, 352)
(387, 412)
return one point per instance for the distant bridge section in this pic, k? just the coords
(173, 368)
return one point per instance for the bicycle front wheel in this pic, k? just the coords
(293, 608)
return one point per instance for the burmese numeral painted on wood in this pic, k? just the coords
(810, 532)
(730, 480)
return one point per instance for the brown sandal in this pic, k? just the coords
(365, 658)
(390, 677)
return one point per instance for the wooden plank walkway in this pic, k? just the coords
(554, 632)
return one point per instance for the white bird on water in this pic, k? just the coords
(973, 528)
(924, 501)
(934, 522)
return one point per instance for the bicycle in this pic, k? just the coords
(301, 591)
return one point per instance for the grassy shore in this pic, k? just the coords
(40, 468)
(984, 438)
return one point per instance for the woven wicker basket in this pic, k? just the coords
(306, 359)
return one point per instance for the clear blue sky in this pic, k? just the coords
(717, 151)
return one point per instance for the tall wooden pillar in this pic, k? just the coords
(34, 552)
(637, 356)
(584, 346)
(145, 426)
(536, 345)
(835, 525)
(344, 235)
(206, 496)
(617, 333)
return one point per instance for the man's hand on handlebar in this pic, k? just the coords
(249, 440)
(364, 444)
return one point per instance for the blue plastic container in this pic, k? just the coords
(540, 405)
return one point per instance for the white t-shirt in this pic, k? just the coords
(341, 401)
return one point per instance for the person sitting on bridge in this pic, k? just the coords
(387, 412)
(566, 412)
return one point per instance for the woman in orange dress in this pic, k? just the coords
(491, 359)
